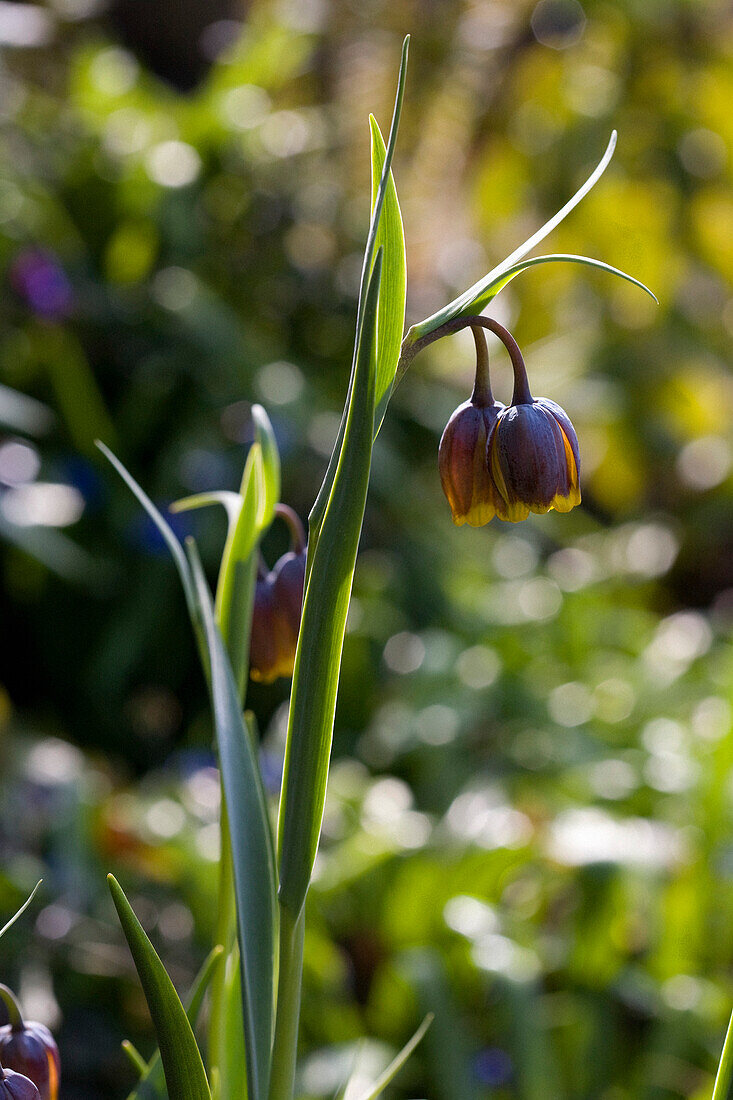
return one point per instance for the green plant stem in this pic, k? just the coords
(226, 919)
(12, 1007)
(285, 1048)
(224, 934)
(411, 346)
(482, 397)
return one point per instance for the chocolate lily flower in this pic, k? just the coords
(464, 473)
(532, 454)
(14, 1086)
(28, 1048)
(277, 608)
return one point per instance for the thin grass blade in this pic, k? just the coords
(165, 529)
(394, 1067)
(723, 1088)
(321, 639)
(251, 846)
(184, 1070)
(22, 909)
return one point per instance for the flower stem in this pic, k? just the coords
(291, 517)
(14, 1014)
(521, 396)
(285, 1047)
(482, 395)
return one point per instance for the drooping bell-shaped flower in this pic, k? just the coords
(289, 582)
(31, 1051)
(532, 455)
(277, 609)
(464, 473)
(28, 1048)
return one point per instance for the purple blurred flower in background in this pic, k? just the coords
(37, 276)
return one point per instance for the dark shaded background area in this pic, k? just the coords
(528, 830)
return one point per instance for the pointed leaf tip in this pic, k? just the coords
(184, 1069)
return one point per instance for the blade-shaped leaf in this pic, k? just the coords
(557, 257)
(184, 1070)
(22, 909)
(230, 501)
(466, 303)
(321, 639)
(490, 292)
(136, 1059)
(170, 539)
(238, 570)
(152, 1076)
(251, 846)
(247, 513)
(319, 507)
(265, 436)
(390, 236)
(393, 1068)
(723, 1089)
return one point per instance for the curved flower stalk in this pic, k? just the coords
(504, 461)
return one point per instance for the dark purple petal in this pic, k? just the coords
(530, 450)
(13, 1086)
(464, 471)
(565, 423)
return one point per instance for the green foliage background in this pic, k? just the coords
(528, 830)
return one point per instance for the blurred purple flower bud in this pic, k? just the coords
(30, 1049)
(42, 283)
(277, 609)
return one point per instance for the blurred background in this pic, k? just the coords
(530, 818)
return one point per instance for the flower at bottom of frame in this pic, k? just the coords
(464, 473)
(533, 460)
(31, 1050)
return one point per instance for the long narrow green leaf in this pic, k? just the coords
(466, 303)
(723, 1089)
(321, 639)
(247, 515)
(184, 1070)
(238, 565)
(395, 1066)
(265, 436)
(490, 292)
(22, 909)
(230, 501)
(390, 236)
(152, 1075)
(170, 539)
(319, 507)
(501, 281)
(251, 847)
